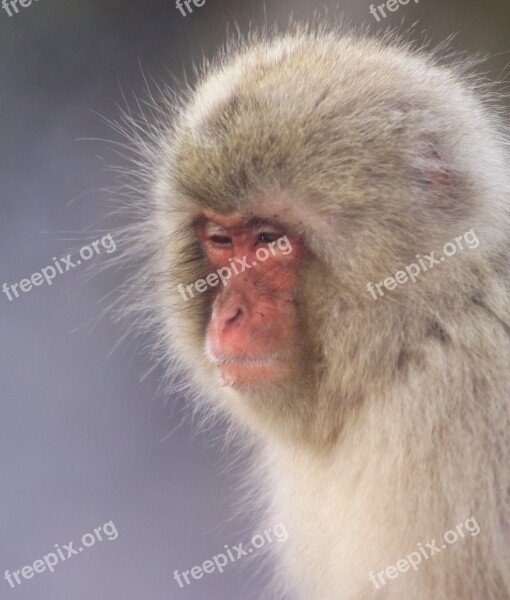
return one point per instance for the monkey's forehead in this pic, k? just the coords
(234, 220)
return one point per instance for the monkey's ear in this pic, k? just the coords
(435, 176)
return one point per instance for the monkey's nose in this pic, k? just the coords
(229, 313)
(236, 315)
(229, 318)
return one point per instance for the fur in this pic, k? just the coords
(380, 151)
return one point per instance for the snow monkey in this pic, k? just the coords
(300, 167)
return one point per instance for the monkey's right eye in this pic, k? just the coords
(220, 240)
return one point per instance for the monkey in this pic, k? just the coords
(381, 423)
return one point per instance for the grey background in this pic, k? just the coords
(84, 438)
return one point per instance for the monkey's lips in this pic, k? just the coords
(248, 370)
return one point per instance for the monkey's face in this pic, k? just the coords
(253, 333)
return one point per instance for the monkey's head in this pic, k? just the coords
(297, 170)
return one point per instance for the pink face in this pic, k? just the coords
(252, 334)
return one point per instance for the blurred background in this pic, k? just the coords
(85, 435)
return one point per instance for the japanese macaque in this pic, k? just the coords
(332, 160)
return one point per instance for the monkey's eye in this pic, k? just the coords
(220, 240)
(268, 237)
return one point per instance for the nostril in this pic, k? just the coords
(229, 310)
(235, 315)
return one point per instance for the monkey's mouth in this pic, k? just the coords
(250, 360)
(238, 370)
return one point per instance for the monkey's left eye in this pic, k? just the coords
(221, 240)
(268, 237)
